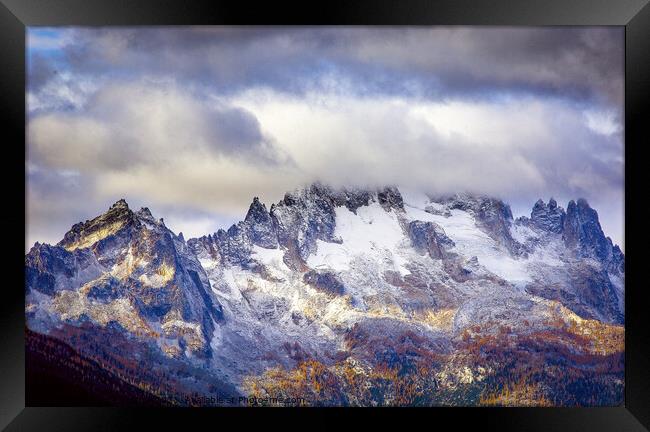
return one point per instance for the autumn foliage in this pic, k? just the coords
(565, 366)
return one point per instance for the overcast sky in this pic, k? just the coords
(195, 121)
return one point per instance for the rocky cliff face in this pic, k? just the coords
(593, 275)
(582, 234)
(125, 267)
(548, 217)
(492, 215)
(308, 277)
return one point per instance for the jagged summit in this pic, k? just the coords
(548, 217)
(303, 217)
(117, 219)
(121, 203)
(125, 269)
(582, 231)
(579, 228)
(257, 212)
(351, 197)
(85, 234)
(145, 213)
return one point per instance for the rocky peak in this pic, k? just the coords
(86, 234)
(478, 205)
(320, 189)
(495, 217)
(145, 213)
(303, 217)
(548, 217)
(120, 208)
(259, 225)
(351, 198)
(390, 198)
(128, 258)
(583, 233)
(257, 212)
(120, 204)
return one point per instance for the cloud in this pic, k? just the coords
(582, 63)
(516, 147)
(196, 121)
(143, 123)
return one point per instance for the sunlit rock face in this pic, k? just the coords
(377, 278)
(129, 259)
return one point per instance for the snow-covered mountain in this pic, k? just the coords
(362, 278)
(126, 268)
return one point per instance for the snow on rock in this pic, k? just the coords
(270, 257)
(371, 232)
(523, 233)
(469, 240)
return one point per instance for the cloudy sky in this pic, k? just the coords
(195, 121)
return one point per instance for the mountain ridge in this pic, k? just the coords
(290, 282)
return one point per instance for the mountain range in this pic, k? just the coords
(342, 296)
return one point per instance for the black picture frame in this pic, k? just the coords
(16, 15)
